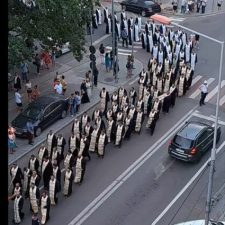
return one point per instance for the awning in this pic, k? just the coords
(161, 19)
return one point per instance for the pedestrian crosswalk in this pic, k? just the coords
(194, 92)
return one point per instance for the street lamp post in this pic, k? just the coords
(213, 151)
(92, 61)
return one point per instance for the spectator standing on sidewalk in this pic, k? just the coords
(107, 62)
(129, 69)
(78, 101)
(183, 6)
(11, 142)
(203, 6)
(35, 93)
(219, 4)
(58, 88)
(37, 63)
(64, 85)
(72, 105)
(102, 53)
(47, 59)
(124, 36)
(17, 81)
(28, 87)
(95, 75)
(204, 91)
(24, 70)
(199, 3)
(30, 132)
(18, 100)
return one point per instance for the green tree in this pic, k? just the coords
(61, 20)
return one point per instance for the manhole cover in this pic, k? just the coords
(109, 79)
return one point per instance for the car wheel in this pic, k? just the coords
(63, 114)
(143, 13)
(38, 132)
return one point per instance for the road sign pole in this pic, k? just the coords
(213, 151)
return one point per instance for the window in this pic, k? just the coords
(31, 112)
(202, 137)
(183, 142)
(47, 111)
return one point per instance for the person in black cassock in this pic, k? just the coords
(83, 88)
(16, 175)
(166, 102)
(47, 171)
(45, 207)
(18, 206)
(173, 94)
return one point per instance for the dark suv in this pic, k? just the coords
(192, 141)
(43, 112)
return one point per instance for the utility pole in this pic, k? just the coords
(113, 38)
(213, 152)
(92, 68)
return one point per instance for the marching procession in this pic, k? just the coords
(168, 75)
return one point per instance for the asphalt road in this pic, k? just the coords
(140, 194)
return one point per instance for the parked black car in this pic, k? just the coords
(145, 8)
(43, 112)
(192, 141)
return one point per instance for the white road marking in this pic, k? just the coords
(185, 187)
(180, 19)
(214, 91)
(195, 80)
(136, 47)
(132, 82)
(222, 100)
(197, 92)
(100, 39)
(100, 199)
(122, 53)
(120, 49)
(208, 118)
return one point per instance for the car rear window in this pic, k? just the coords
(183, 142)
(148, 3)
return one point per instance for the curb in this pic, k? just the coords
(33, 148)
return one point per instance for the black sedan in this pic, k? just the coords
(42, 112)
(145, 8)
(192, 141)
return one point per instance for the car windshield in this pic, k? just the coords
(148, 3)
(31, 112)
(183, 142)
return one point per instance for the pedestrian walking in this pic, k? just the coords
(175, 4)
(204, 91)
(107, 62)
(28, 87)
(17, 81)
(129, 69)
(24, 70)
(30, 131)
(198, 5)
(45, 207)
(124, 36)
(18, 100)
(37, 63)
(102, 54)
(78, 100)
(203, 6)
(18, 207)
(35, 93)
(219, 4)
(183, 6)
(95, 75)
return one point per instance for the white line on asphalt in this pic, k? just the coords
(208, 118)
(214, 91)
(197, 92)
(195, 80)
(222, 100)
(100, 199)
(134, 80)
(177, 18)
(185, 187)
(120, 49)
(122, 53)
(137, 47)
(100, 39)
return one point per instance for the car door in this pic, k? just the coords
(133, 5)
(201, 141)
(209, 141)
(56, 110)
(47, 117)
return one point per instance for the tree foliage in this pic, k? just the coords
(61, 20)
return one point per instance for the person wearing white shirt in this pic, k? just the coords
(204, 91)
(18, 100)
(58, 88)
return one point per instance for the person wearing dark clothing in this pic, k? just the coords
(95, 74)
(17, 82)
(37, 63)
(124, 36)
(83, 88)
(30, 132)
(166, 103)
(35, 220)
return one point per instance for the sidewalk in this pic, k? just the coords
(74, 76)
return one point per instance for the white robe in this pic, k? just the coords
(136, 38)
(100, 16)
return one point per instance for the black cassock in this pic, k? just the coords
(105, 16)
(53, 144)
(57, 174)
(147, 44)
(70, 186)
(18, 211)
(173, 96)
(47, 206)
(46, 174)
(18, 177)
(128, 128)
(94, 20)
(130, 36)
(143, 40)
(151, 126)
(166, 104)
(60, 148)
(33, 164)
